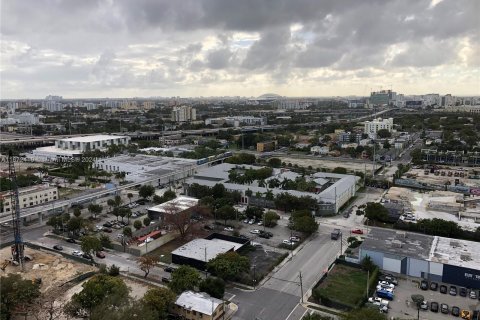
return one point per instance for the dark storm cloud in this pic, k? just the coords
(166, 41)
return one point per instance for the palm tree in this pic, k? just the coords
(130, 196)
(261, 183)
(269, 195)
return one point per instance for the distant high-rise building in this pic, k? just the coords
(448, 100)
(184, 114)
(383, 97)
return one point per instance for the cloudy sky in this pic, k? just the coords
(87, 48)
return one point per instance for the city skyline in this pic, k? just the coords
(235, 48)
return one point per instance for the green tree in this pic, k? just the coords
(383, 133)
(340, 170)
(137, 224)
(376, 211)
(305, 224)
(274, 162)
(16, 294)
(77, 212)
(169, 195)
(75, 224)
(111, 291)
(215, 287)
(225, 213)
(146, 263)
(184, 278)
(364, 313)
(95, 209)
(90, 244)
(367, 264)
(105, 241)
(127, 232)
(271, 218)
(130, 196)
(146, 191)
(229, 265)
(146, 221)
(160, 300)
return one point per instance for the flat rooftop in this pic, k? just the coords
(55, 150)
(99, 137)
(181, 202)
(198, 301)
(414, 245)
(203, 249)
(456, 252)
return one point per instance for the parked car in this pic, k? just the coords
(100, 254)
(295, 239)
(434, 306)
(462, 292)
(357, 231)
(433, 286)
(424, 285)
(165, 280)
(260, 223)
(107, 230)
(453, 291)
(230, 229)
(264, 235)
(378, 301)
(255, 231)
(287, 242)
(424, 305)
(384, 288)
(251, 221)
(388, 277)
(58, 247)
(444, 308)
(71, 240)
(107, 225)
(246, 221)
(77, 253)
(87, 256)
(473, 294)
(443, 289)
(455, 311)
(169, 269)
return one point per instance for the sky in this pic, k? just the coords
(192, 48)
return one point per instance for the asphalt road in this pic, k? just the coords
(279, 296)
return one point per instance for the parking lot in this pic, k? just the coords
(400, 308)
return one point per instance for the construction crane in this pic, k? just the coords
(17, 247)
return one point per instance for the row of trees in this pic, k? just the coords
(247, 176)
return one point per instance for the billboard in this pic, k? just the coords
(465, 277)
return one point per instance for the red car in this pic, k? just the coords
(100, 254)
(357, 231)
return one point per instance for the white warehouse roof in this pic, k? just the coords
(198, 301)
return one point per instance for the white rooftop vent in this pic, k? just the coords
(466, 256)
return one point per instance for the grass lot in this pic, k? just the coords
(344, 284)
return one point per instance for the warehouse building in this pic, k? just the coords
(74, 147)
(429, 257)
(142, 167)
(198, 252)
(331, 193)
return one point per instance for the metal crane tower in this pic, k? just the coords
(17, 247)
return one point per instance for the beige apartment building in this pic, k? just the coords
(28, 197)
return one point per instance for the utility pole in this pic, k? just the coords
(301, 285)
(254, 277)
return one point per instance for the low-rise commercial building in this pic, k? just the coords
(198, 306)
(429, 257)
(179, 205)
(29, 197)
(76, 146)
